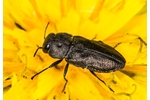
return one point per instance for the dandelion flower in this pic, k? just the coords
(118, 23)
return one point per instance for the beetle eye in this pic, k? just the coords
(47, 46)
(59, 45)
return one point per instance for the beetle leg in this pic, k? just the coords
(142, 41)
(94, 37)
(117, 45)
(65, 72)
(52, 65)
(101, 80)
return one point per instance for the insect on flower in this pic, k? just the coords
(81, 52)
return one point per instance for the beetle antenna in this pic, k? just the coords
(46, 29)
(37, 50)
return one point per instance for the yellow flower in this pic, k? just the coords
(121, 22)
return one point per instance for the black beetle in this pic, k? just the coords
(81, 52)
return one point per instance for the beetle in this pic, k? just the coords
(96, 56)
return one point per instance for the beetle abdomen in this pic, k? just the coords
(83, 54)
(93, 61)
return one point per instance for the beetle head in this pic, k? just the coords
(57, 45)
